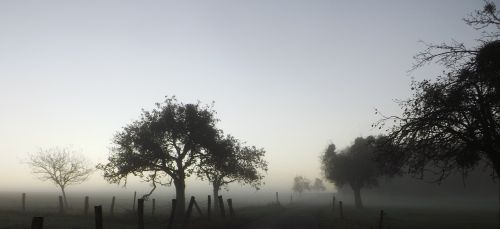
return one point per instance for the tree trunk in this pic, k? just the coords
(357, 198)
(64, 197)
(180, 196)
(216, 195)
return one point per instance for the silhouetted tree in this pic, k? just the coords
(318, 185)
(61, 166)
(353, 166)
(232, 162)
(165, 142)
(452, 123)
(301, 184)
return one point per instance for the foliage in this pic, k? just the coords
(452, 123)
(354, 165)
(163, 146)
(230, 161)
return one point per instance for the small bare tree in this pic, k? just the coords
(62, 166)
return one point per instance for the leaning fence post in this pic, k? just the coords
(112, 208)
(188, 214)
(209, 207)
(153, 208)
(98, 216)
(230, 205)
(37, 223)
(198, 208)
(341, 210)
(381, 220)
(172, 214)
(86, 206)
(61, 206)
(24, 202)
(221, 206)
(133, 205)
(140, 213)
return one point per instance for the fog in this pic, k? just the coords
(288, 77)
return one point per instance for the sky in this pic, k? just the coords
(289, 76)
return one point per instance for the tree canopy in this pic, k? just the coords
(164, 146)
(230, 162)
(452, 123)
(353, 166)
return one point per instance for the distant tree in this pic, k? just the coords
(232, 162)
(301, 184)
(318, 185)
(452, 124)
(61, 166)
(163, 146)
(353, 166)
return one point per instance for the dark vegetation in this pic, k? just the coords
(176, 140)
(353, 166)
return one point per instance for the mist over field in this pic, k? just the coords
(249, 114)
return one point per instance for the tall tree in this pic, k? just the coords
(353, 166)
(165, 142)
(61, 166)
(452, 124)
(230, 162)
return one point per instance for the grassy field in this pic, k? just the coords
(396, 217)
(14, 219)
(409, 218)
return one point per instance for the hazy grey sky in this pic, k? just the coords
(289, 76)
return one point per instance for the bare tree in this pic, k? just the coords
(62, 166)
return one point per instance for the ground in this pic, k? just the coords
(271, 216)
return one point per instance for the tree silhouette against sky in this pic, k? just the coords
(452, 123)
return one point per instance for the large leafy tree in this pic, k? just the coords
(231, 161)
(452, 123)
(353, 166)
(164, 146)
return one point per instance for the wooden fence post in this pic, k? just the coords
(61, 206)
(333, 204)
(37, 223)
(153, 208)
(341, 210)
(133, 205)
(140, 213)
(277, 199)
(381, 220)
(230, 205)
(221, 206)
(86, 206)
(24, 202)
(112, 208)
(188, 213)
(209, 207)
(98, 216)
(291, 198)
(172, 214)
